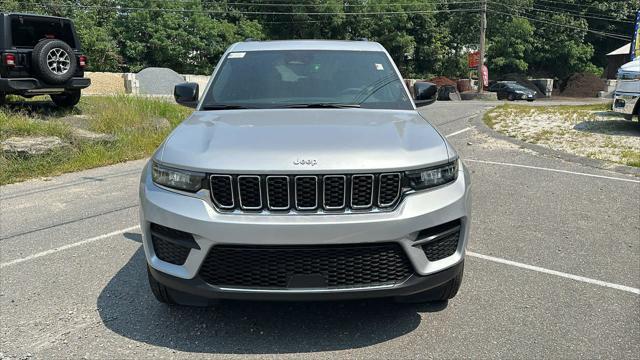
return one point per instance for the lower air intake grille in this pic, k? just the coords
(442, 247)
(166, 249)
(286, 267)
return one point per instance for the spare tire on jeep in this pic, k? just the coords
(54, 61)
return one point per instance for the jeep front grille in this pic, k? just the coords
(306, 193)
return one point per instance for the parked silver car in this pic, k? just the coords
(305, 173)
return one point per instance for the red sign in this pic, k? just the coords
(473, 59)
(485, 75)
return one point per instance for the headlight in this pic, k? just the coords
(435, 176)
(177, 179)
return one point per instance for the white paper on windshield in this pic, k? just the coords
(236, 55)
(379, 67)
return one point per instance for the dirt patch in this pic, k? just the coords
(582, 85)
(443, 81)
(104, 83)
(579, 130)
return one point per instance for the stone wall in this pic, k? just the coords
(106, 83)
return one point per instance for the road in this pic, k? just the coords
(553, 272)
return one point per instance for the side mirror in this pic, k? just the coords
(426, 93)
(186, 94)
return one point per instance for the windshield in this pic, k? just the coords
(292, 78)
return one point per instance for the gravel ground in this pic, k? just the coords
(595, 134)
(103, 83)
(73, 283)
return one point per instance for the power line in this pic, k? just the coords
(208, 11)
(533, 8)
(283, 4)
(585, 13)
(571, 4)
(601, 33)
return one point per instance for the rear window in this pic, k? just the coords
(26, 32)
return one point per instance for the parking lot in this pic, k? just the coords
(553, 271)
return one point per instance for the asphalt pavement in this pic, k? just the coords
(553, 272)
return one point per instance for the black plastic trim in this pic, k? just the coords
(415, 284)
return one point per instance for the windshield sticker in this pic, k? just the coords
(236, 55)
(379, 67)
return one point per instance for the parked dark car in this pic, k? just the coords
(512, 91)
(41, 55)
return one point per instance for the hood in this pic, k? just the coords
(303, 140)
(631, 66)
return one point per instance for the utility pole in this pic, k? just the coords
(483, 29)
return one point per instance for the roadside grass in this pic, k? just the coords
(132, 120)
(587, 130)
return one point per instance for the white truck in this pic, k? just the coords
(628, 90)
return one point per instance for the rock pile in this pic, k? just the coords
(582, 85)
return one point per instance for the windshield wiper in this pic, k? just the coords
(225, 107)
(321, 105)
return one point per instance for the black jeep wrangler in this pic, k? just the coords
(40, 55)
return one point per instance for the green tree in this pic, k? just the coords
(507, 52)
(183, 36)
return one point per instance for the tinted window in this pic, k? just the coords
(269, 79)
(26, 32)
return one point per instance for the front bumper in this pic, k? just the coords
(625, 103)
(32, 86)
(195, 214)
(526, 96)
(415, 284)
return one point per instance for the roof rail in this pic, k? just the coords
(250, 39)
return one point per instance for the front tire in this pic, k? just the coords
(173, 297)
(441, 293)
(67, 99)
(511, 97)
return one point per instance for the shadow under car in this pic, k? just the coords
(127, 307)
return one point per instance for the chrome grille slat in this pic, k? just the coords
(362, 191)
(388, 189)
(331, 192)
(309, 193)
(222, 191)
(247, 188)
(276, 194)
(302, 185)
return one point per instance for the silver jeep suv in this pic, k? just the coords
(305, 173)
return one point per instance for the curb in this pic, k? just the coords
(594, 163)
